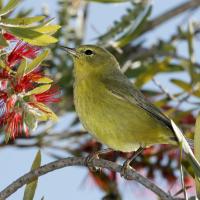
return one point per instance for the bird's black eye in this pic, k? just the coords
(88, 52)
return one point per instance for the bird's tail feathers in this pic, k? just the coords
(187, 150)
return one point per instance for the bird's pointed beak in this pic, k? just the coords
(70, 51)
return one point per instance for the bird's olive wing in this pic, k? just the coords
(119, 85)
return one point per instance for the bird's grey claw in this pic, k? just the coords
(89, 162)
(124, 169)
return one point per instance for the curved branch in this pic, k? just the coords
(80, 161)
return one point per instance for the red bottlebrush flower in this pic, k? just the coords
(9, 37)
(10, 102)
(50, 96)
(26, 83)
(20, 51)
(3, 96)
(18, 110)
(4, 75)
(14, 125)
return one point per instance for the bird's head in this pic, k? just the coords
(91, 59)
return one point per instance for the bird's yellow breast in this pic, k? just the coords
(113, 121)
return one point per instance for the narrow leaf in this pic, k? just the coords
(187, 87)
(31, 187)
(36, 62)
(39, 90)
(9, 7)
(3, 42)
(136, 29)
(21, 69)
(119, 26)
(49, 29)
(32, 37)
(44, 80)
(46, 112)
(20, 22)
(2, 64)
(182, 84)
(30, 120)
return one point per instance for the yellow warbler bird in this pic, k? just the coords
(115, 112)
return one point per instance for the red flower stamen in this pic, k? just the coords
(50, 96)
(13, 101)
(14, 124)
(27, 82)
(10, 103)
(20, 51)
(9, 37)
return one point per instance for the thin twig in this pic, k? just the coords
(164, 90)
(81, 161)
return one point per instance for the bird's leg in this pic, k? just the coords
(126, 164)
(95, 155)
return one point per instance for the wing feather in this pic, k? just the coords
(120, 85)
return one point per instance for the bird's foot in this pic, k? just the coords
(126, 166)
(124, 170)
(93, 156)
(89, 161)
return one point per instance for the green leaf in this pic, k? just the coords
(21, 69)
(32, 37)
(2, 64)
(1, 4)
(9, 7)
(119, 26)
(46, 112)
(30, 120)
(136, 28)
(3, 42)
(44, 80)
(151, 70)
(36, 62)
(39, 90)
(31, 187)
(20, 22)
(44, 23)
(49, 29)
(182, 84)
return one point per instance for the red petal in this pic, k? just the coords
(28, 81)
